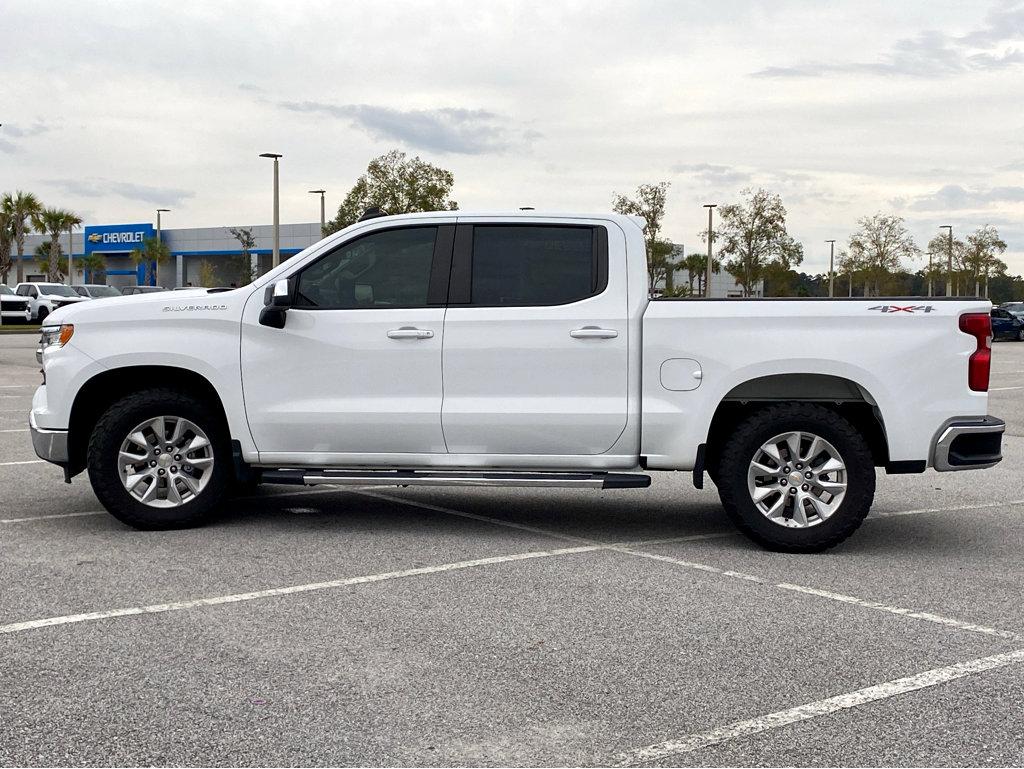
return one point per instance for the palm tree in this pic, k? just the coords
(6, 238)
(55, 222)
(152, 254)
(21, 207)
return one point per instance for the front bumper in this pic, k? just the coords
(51, 445)
(968, 443)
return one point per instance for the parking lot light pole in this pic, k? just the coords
(949, 260)
(71, 256)
(930, 287)
(831, 264)
(159, 211)
(711, 239)
(277, 209)
(323, 216)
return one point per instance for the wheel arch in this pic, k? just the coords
(107, 387)
(844, 396)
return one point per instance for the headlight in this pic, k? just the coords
(56, 336)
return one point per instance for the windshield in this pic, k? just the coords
(1014, 306)
(5, 290)
(53, 289)
(100, 291)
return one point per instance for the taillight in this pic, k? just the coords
(978, 325)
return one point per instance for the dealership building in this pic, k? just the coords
(189, 248)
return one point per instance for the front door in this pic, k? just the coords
(536, 340)
(357, 367)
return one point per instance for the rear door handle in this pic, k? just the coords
(408, 332)
(593, 332)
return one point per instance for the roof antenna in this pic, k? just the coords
(526, 208)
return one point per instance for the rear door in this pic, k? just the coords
(536, 339)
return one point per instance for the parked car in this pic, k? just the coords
(131, 290)
(44, 298)
(96, 291)
(557, 370)
(1006, 325)
(13, 308)
(1016, 308)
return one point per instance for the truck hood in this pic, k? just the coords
(149, 306)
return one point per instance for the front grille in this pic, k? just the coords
(15, 306)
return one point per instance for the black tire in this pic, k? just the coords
(1020, 335)
(41, 315)
(740, 450)
(105, 443)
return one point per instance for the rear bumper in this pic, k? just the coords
(968, 443)
(51, 445)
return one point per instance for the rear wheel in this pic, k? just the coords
(160, 459)
(797, 478)
(1020, 335)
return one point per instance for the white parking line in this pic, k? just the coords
(976, 506)
(49, 517)
(628, 549)
(19, 430)
(883, 691)
(17, 627)
(996, 389)
(26, 462)
(922, 615)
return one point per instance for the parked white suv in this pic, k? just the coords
(44, 298)
(13, 308)
(516, 349)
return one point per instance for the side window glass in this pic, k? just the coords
(527, 265)
(22, 291)
(384, 269)
(33, 292)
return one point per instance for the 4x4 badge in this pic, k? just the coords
(897, 308)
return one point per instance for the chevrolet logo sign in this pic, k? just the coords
(95, 238)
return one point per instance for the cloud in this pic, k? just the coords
(449, 129)
(711, 173)
(953, 197)
(932, 54)
(8, 147)
(23, 132)
(98, 188)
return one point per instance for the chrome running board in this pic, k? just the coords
(309, 477)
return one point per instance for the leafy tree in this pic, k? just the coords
(396, 184)
(21, 207)
(878, 248)
(696, 266)
(242, 264)
(939, 246)
(42, 253)
(6, 241)
(649, 205)
(55, 222)
(753, 237)
(980, 255)
(207, 274)
(152, 254)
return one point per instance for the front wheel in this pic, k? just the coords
(1020, 335)
(797, 478)
(41, 315)
(160, 459)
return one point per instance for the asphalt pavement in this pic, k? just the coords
(509, 627)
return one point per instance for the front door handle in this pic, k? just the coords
(593, 332)
(408, 332)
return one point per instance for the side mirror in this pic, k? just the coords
(277, 302)
(281, 297)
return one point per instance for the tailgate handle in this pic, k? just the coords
(593, 332)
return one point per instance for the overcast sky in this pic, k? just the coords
(845, 108)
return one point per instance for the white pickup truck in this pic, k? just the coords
(512, 349)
